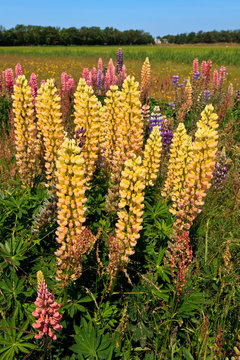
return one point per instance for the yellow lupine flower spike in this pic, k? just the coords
(25, 131)
(152, 155)
(48, 106)
(71, 208)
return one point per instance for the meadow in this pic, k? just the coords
(119, 203)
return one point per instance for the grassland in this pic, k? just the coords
(165, 60)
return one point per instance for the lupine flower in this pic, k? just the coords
(145, 81)
(107, 81)
(179, 257)
(42, 82)
(195, 65)
(119, 60)
(18, 70)
(34, 85)
(100, 65)
(85, 75)
(113, 121)
(87, 107)
(129, 214)
(50, 126)
(64, 79)
(221, 170)
(71, 186)
(188, 94)
(111, 70)
(46, 314)
(122, 75)
(145, 114)
(177, 166)
(222, 73)
(99, 79)
(152, 155)
(208, 71)
(175, 79)
(94, 78)
(70, 86)
(200, 170)
(9, 80)
(206, 95)
(203, 68)
(215, 78)
(130, 136)
(196, 76)
(166, 136)
(155, 120)
(25, 131)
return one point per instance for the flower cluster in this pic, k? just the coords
(25, 131)
(71, 209)
(46, 314)
(34, 86)
(145, 81)
(87, 116)
(113, 120)
(50, 126)
(18, 70)
(200, 170)
(179, 157)
(175, 79)
(119, 60)
(221, 170)
(206, 95)
(152, 155)
(9, 80)
(188, 94)
(130, 135)
(130, 211)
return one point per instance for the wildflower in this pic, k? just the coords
(119, 60)
(46, 313)
(9, 80)
(25, 131)
(18, 70)
(145, 81)
(50, 126)
(152, 155)
(221, 170)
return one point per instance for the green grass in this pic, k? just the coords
(221, 54)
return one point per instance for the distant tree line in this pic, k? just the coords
(49, 35)
(209, 37)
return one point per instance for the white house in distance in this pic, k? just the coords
(157, 41)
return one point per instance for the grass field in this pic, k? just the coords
(165, 61)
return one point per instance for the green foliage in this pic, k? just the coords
(92, 343)
(14, 341)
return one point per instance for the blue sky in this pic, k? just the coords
(155, 16)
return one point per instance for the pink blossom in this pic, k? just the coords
(195, 66)
(215, 78)
(70, 85)
(64, 79)
(100, 65)
(122, 75)
(18, 70)
(94, 79)
(107, 81)
(9, 80)
(42, 82)
(111, 69)
(203, 68)
(85, 74)
(46, 313)
(34, 85)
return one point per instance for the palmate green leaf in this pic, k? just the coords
(92, 344)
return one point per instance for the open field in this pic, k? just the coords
(165, 61)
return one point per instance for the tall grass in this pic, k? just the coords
(229, 55)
